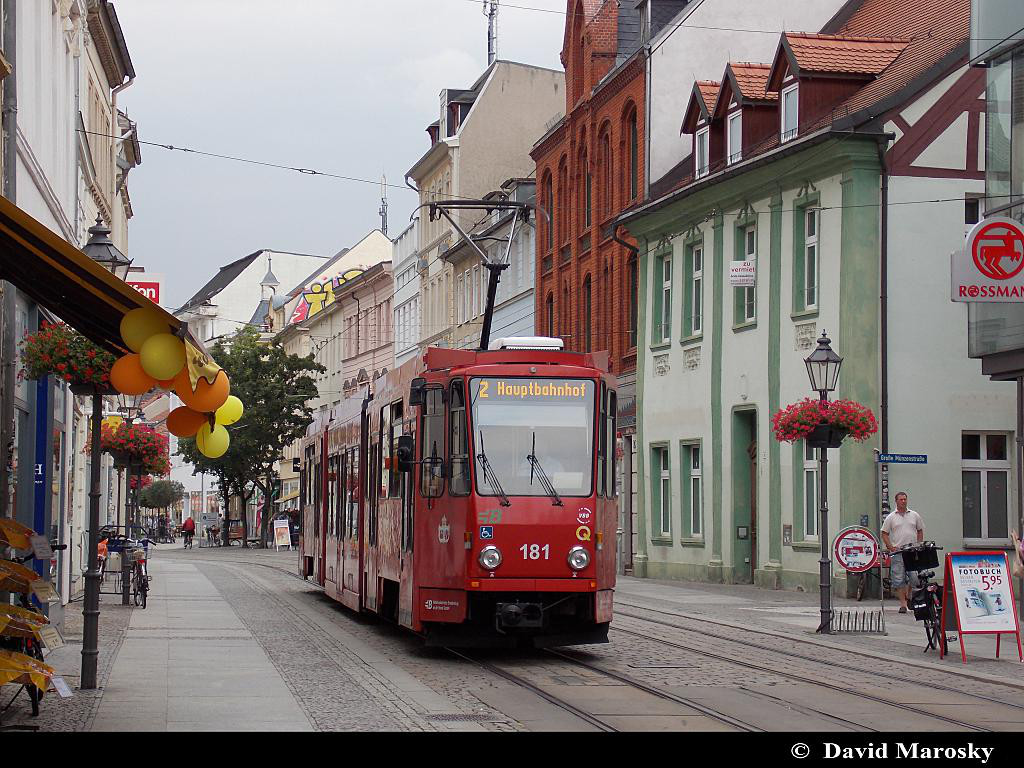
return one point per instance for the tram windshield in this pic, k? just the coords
(530, 427)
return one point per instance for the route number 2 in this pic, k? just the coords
(533, 551)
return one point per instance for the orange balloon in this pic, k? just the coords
(184, 422)
(207, 397)
(128, 377)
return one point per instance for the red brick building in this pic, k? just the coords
(590, 167)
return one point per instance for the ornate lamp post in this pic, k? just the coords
(100, 249)
(823, 370)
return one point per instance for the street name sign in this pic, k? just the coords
(990, 266)
(902, 458)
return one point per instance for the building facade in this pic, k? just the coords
(513, 301)
(482, 138)
(407, 295)
(821, 167)
(72, 151)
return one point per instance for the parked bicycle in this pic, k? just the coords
(140, 572)
(925, 596)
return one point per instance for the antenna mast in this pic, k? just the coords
(383, 204)
(491, 12)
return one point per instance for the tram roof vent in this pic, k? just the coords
(527, 342)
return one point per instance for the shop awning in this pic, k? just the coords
(287, 498)
(58, 276)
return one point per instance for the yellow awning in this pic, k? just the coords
(58, 276)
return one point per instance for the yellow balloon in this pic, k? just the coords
(212, 443)
(163, 356)
(231, 411)
(138, 325)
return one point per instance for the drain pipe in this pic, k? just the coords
(884, 293)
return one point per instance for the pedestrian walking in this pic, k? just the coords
(902, 527)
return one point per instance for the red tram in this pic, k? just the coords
(471, 497)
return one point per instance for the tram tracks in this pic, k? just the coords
(596, 720)
(845, 691)
(793, 654)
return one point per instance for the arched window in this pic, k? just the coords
(549, 314)
(605, 189)
(563, 208)
(583, 192)
(632, 155)
(548, 201)
(564, 320)
(587, 315)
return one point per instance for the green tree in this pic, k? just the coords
(162, 494)
(275, 389)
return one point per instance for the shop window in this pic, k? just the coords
(810, 488)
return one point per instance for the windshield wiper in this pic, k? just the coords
(489, 476)
(549, 487)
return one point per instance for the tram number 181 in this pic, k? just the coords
(533, 551)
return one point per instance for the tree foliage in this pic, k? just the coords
(162, 494)
(275, 389)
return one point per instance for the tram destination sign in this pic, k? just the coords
(903, 458)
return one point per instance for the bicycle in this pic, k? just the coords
(188, 539)
(140, 574)
(926, 597)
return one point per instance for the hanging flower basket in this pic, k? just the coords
(59, 350)
(824, 425)
(136, 446)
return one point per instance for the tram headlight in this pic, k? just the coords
(490, 557)
(579, 558)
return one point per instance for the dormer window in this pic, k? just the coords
(790, 112)
(734, 138)
(701, 144)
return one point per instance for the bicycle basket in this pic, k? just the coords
(920, 558)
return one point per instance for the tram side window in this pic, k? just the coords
(395, 477)
(317, 485)
(353, 497)
(339, 494)
(302, 485)
(459, 442)
(611, 441)
(385, 450)
(432, 444)
(602, 445)
(373, 485)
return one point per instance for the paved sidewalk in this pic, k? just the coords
(188, 664)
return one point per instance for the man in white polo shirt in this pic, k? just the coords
(903, 526)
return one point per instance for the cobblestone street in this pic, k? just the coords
(232, 640)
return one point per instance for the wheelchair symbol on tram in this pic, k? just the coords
(486, 531)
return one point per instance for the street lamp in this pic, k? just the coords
(100, 249)
(823, 366)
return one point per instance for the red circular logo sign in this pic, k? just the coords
(998, 250)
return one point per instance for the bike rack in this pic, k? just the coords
(856, 621)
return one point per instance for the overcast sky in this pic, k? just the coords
(340, 86)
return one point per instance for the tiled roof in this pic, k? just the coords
(843, 55)
(935, 29)
(705, 91)
(752, 80)
(708, 91)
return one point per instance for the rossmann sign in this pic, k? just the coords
(990, 266)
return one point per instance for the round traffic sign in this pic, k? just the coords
(856, 549)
